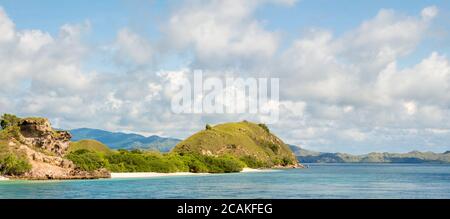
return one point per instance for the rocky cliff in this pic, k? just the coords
(34, 140)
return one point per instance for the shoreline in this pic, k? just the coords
(2, 178)
(131, 175)
(154, 174)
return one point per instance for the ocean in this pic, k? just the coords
(329, 181)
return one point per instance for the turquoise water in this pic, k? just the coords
(319, 181)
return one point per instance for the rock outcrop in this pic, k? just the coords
(44, 149)
(39, 133)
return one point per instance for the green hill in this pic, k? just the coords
(90, 145)
(252, 143)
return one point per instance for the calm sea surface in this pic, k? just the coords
(319, 181)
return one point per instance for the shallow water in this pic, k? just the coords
(319, 181)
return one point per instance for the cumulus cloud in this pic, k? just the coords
(338, 93)
(222, 33)
(131, 47)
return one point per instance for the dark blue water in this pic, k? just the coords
(319, 181)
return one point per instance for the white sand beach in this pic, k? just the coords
(3, 178)
(250, 170)
(152, 174)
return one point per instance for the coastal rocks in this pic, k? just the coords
(44, 171)
(293, 166)
(53, 167)
(44, 148)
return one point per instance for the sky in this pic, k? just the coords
(355, 76)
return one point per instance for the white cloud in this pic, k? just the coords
(428, 81)
(429, 12)
(133, 47)
(222, 32)
(344, 92)
(6, 27)
(410, 108)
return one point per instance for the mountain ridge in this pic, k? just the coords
(308, 156)
(128, 141)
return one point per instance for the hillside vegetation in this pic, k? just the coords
(251, 143)
(89, 155)
(91, 145)
(12, 161)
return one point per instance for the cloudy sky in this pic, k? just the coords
(355, 76)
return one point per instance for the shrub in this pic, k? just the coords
(286, 161)
(283, 161)
(140, 161)
(8, 120)
(10, 132)
(225, 164)
(194, 164)
(11, 164)
(208, 127)
(264, 126)
(253, 162)
(87, 160)
(208, 164)
(273, 147)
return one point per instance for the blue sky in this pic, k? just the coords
(357, 76)
(143, 16)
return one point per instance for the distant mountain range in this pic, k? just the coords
(118, 140)
(307, 156)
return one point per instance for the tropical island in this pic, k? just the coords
(31, 149)
(308, 156)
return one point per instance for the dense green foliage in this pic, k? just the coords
(138, 161)
(12, 162)
(253, 162)
(9, 126)
(87, 160)
(264, 126)
(8, 120)
(146, 161)
(14, 165)
(223, 164)
(10, 132)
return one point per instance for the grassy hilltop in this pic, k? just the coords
(251, 143)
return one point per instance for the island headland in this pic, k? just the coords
(31, 149)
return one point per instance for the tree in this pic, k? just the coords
(8, 120)
(264, 126)
(208, 127)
